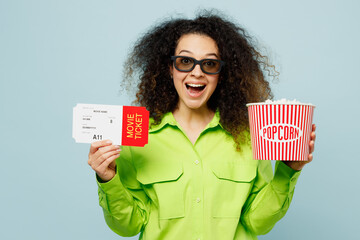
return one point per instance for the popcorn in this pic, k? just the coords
(280, 130)
(285, 101)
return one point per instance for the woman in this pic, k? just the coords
(196, 178)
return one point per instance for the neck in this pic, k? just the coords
(193, 118)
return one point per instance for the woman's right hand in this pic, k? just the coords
(102, 157)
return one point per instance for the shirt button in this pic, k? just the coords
(197, 162)
(198, 200)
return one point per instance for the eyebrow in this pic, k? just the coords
(208, 54)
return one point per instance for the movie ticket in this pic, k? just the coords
(123, 125)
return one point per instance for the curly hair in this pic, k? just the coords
(242, 79)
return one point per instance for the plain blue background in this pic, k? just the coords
(54, 54)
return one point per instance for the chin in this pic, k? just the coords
(195, 105)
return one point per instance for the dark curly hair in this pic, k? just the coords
(241, 80)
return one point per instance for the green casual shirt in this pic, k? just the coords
(173, 189)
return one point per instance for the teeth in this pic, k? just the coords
(195, 85)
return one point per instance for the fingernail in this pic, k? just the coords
(109, 141)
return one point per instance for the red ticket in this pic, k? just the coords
(135, 127)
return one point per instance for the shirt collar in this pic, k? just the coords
(168, 119)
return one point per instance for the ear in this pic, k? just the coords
(171, 69)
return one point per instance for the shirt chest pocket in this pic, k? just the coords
(232, 183)
(163, 180)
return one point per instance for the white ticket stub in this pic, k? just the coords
(123, 125)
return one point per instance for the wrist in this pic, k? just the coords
(104, 179)
(295, 165)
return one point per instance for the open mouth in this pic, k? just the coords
(195, 88)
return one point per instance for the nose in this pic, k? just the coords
(197, 72)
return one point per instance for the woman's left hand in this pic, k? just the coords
(298, 165)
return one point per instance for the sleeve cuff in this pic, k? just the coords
(285, 178)
(109, 186)
(112, 190)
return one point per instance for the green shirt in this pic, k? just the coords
(172, 189)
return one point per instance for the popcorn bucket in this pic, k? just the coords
(280, 131)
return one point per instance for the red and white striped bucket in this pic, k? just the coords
(280, 131)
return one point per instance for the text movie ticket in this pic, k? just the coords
(123, 125)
